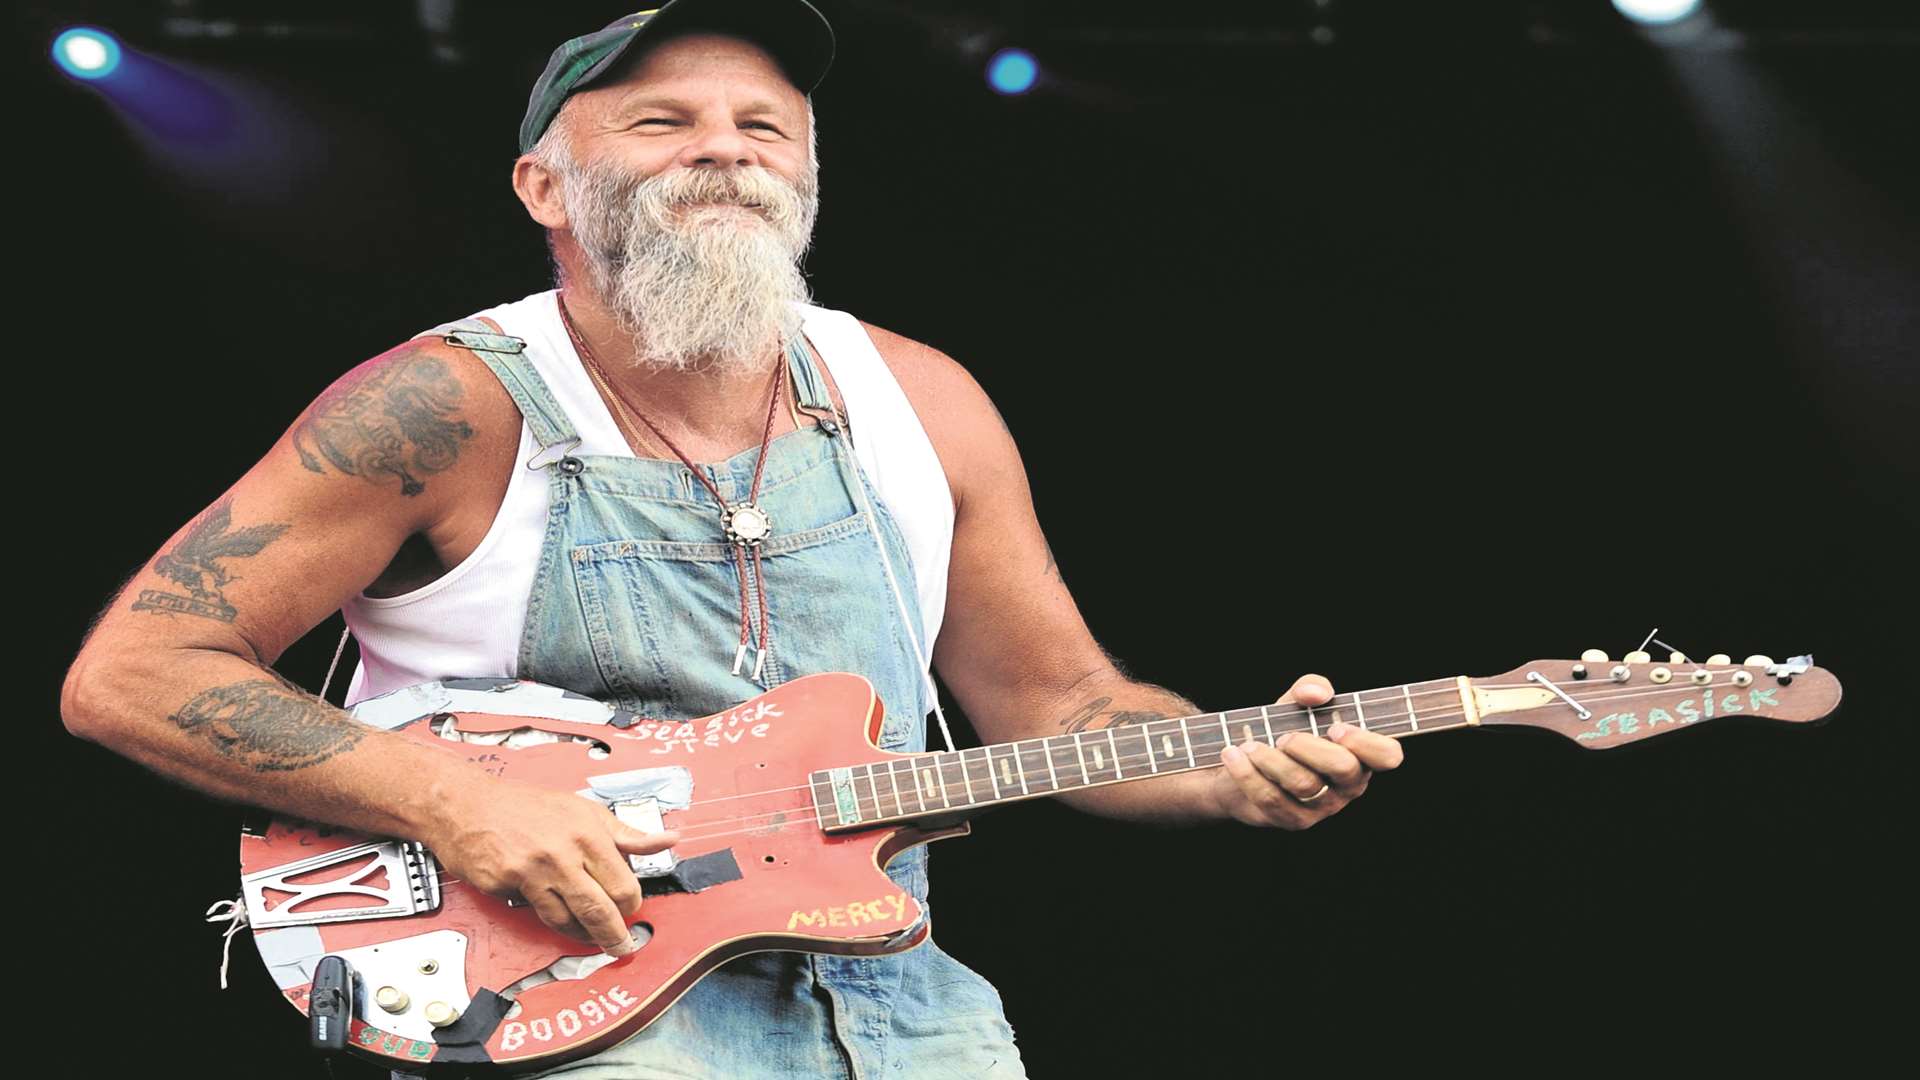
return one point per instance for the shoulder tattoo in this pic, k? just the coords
(388, 421)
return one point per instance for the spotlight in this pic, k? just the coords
(1012, 71)
(1656, 12)
(86, 54)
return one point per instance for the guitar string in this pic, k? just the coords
(1204, 720)
(807, 809)
(1272, 712)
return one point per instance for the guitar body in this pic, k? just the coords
(755, 871)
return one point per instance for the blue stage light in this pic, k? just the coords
(86, 54)
(1012, 71)
(1656, 12)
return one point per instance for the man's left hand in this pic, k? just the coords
(1306, 777)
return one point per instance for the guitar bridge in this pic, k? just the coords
(380, 880)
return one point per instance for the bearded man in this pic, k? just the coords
(669, 484)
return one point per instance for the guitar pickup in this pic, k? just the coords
(384, 879)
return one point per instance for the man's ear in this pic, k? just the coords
(538, 189)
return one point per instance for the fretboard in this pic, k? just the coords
(946, 783)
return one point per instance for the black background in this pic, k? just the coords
(1464, 340)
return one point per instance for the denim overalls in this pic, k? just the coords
(636, 603)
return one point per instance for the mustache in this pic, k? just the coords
(753, 187)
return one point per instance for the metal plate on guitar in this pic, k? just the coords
(395, 878)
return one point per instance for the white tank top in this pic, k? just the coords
(468, 622)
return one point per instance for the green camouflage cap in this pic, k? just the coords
(792, 31)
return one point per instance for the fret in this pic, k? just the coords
(987, 752)
(953, 761)
(1037, 779)
(1201, 744)
(872, 790)
(1187, 736)
(939, 777)
(1046, 745)
(822, 797)
(846, 801)
(1096, 751)
(966, 774)
(1081, 753)
(1412, 720)
(1019, 767)
(928, 780)
(1115, 749)
(1266, 721)
(912, 783)
(893, 785)
(1138, 746)
(1311, 722)
(1146, 743)
(1226, 737)
(1359, 713)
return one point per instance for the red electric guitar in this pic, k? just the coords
(787, 812)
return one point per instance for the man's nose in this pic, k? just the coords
(718, 146)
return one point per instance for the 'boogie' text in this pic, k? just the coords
(567, 1023)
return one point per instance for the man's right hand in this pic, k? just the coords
(565, 855)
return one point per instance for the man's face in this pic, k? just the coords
(691, 191)
(693, 102)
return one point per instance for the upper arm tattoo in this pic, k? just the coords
(269, 726)
(194, 565)
(389, 421)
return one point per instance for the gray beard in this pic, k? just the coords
(699, 288)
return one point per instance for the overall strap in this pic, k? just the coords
(809, 385)
(506, 357)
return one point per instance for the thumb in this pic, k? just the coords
(634, 842)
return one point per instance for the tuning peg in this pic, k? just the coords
(1758, 660)
(1676, 658)
(1594, 656)
(1638, 656)
(1719, 658)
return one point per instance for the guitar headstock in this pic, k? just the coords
(1601, 703)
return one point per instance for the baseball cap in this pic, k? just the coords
(792, 31)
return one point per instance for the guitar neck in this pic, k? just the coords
(944, 783)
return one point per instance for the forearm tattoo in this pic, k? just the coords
(268, 726)
(1094, 714)
(194, 565)
(393, 421)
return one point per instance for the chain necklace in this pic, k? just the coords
(745, 524)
